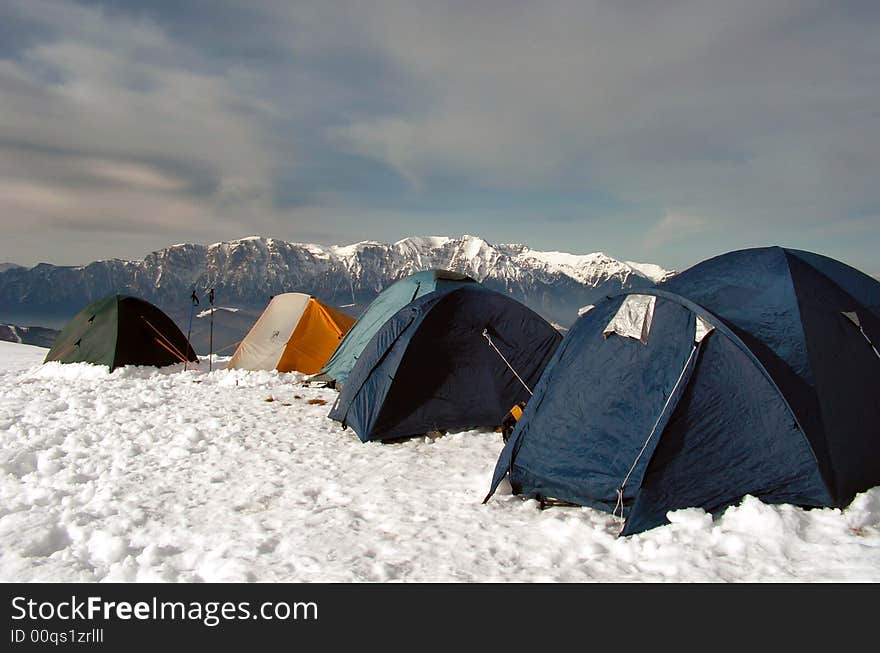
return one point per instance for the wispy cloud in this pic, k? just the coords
(674, 228)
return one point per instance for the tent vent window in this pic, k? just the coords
(633, 319)
(703, 329)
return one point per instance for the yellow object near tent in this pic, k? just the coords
(296, 333)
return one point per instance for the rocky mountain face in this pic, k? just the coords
(246, 273)
(28, 335)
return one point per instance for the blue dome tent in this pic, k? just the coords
(755, 372)
(446, 361)
(389, 301)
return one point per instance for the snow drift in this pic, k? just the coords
(164, 475)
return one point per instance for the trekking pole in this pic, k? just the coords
(211, 336)
(192, 309)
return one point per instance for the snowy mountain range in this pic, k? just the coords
(245, 273)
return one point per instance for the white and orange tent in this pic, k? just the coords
(296, 332)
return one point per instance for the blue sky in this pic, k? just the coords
(665, 132)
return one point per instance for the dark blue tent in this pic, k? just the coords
(389, 301)
(755, 372)
(431, 368)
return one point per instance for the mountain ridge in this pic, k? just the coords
(247, 272)
(28, 335)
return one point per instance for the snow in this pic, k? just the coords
(345, 251)
(653, 272)
(317, 251)
(472, 246)
(150, 474)
(207, 311)
(566, 260)
(15, 356)
(588, 268)
(423, 242)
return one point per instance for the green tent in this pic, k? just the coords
(121, 330)
(389, 301)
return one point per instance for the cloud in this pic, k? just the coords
(730, 110)
(607, 119)
(110, 124)
(674, 227)
(44, 208)
(134, 175)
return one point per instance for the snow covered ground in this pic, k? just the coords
(166, 475)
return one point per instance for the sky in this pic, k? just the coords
(664, 132)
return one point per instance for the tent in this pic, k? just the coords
(296, 332)
(121, 330)
(389, 301)
(755, 372)
(446, 361)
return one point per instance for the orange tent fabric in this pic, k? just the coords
(296, 332)
(314, 339)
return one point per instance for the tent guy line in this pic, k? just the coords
(506, 362)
